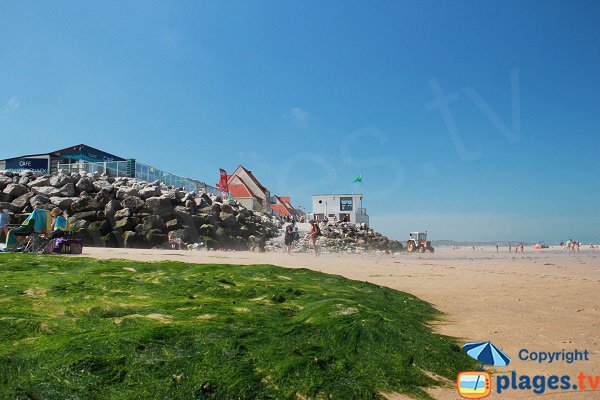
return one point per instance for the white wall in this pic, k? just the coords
(330, 204)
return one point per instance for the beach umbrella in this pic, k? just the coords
(486, 353)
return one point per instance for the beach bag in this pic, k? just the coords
(296, 235)
(67, 246)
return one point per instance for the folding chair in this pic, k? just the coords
(18, 237)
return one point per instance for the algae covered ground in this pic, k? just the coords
(78, 328)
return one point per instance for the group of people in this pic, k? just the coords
(518, 247)
(572, 246)
(56, 229)
(292, 235)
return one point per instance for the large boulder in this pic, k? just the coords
(39, 182)
(84, 204)
(152, 222)
(68, 190)
(85, 185)
(150, 191)
(155, 238)
(123, 213)
(60, 180)
(102, 185)
(159, 205)
(132, 202)
(111, 207)
(48, 191)
(22, 200)
(38, 201)
(11, 208)
(127, 191)
(63, 202)
(102, 227)
(172, 225)
(133, 240)
(15, 190)
(83, 215)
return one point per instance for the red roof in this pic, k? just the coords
(285, 199)
(240, 191)
(252, 177)
(280, 209)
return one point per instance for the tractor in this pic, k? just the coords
(417, 241)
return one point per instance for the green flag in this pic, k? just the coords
(358, 179)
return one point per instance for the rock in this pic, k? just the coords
(228, 220)
(150, 191)
(125, 224)
(38, 201)
(125, 192)
(172, 225)
(133, 240)
(102, 198)
(84, 185)
(124, 213)
(63, 202)
(15, 190)
(111, 207)
(102, 185)
(11, 208)
(60, 180)
(153, 222)
(84, 204)
(132, 202)
(39, 182)
(155, 238)
(207, 230)
(48, 191)
(112, 239)
(102, 227)
(159, 205)
(183, 215)
(68, 190)
(23, 200)
(85, 215)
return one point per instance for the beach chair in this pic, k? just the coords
(19, 237)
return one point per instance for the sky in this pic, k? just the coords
(474, 120)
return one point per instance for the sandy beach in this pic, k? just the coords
(541, 301)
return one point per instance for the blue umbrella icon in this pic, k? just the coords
(486, 353)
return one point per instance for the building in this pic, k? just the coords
(249, 190)
(49, 162)
(283, 207)
(342, 207)
(84, 158)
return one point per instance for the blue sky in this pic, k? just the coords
(310, 94)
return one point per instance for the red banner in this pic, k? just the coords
(223, 180)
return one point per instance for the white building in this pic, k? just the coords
(343, 207)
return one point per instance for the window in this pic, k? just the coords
(345, 203)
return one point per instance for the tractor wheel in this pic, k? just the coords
(421, 249)
(410, 246)
(431, 250)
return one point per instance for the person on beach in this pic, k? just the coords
(289, 237)
(497, 247)
(314, 233)
(510, 248)
(4, 220)
(175, 243)
(59, 223)
(521, 247)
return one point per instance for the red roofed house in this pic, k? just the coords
(246, 189)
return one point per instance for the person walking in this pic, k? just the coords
(289, 237)
(4, 221)
(314, 233)
(497, 247)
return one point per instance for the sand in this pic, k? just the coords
(542, 300)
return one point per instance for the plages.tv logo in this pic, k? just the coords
(474, 384)
(478, 384)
